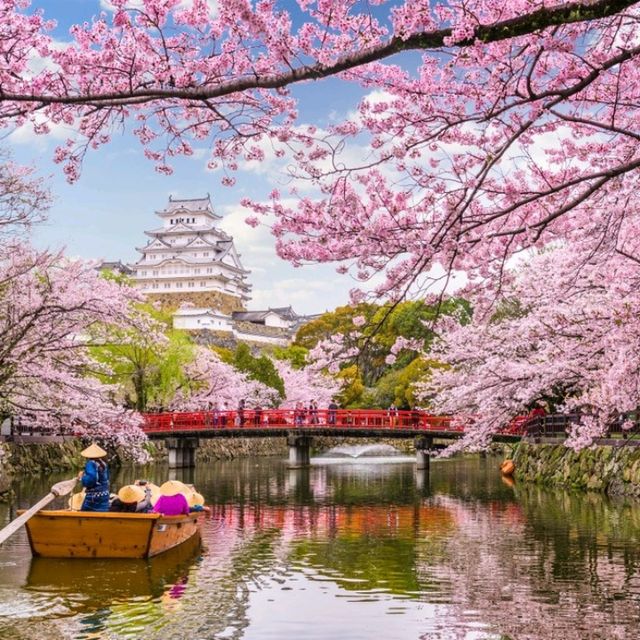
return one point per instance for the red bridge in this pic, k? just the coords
(283, 421)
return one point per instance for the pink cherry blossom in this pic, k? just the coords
(566, 329)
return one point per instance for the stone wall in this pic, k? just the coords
(229, 448)
(33, 459)
(244, 326)
(614, 470)
(5, 472)
(224, 302)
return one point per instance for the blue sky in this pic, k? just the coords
(105, 213)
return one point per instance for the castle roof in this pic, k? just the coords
(191, 205)
(117, 266)
(186, 230)
(257, 316)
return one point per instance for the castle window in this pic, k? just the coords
(206, 254)
(191, 285)
(167, 285)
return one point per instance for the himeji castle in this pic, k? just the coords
(193, 268)
(188, 259)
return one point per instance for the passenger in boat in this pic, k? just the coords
(196, 502)
(95, 479)
(172, 500)
(132, 498)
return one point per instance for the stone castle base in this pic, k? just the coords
(217, 300)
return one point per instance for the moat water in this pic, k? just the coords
(352, 548)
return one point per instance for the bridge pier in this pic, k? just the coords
(299, 448)
(423, 483)
(423, 446)
(182, 452)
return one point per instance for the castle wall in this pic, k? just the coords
(223, 302)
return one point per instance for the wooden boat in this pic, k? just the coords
(86, 534)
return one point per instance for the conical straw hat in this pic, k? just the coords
(196, 499)
(76, 500)
(131, 493)
(93, 451)
(173, 488)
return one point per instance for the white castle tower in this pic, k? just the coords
(188, 259)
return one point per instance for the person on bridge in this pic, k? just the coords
(95, 479)
(299, 414)
(257, 416)
(240, 413)
(224, 418)
(313, 412)
(215, 414)
(332, 413)
(393, 415)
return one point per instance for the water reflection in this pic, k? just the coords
(86, 584)
(352, 551)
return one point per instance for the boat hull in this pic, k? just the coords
(86, 534)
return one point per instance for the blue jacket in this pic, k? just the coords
(95, 480)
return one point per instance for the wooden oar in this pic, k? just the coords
(58, 489)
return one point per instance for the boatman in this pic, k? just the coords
(95, 479)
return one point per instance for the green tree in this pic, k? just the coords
(261, 368)
(147, 365)
(295, 354)
(370, 380)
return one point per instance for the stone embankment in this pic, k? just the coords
(229, 448)
(36, 459)
(5, 472)
(611, 469)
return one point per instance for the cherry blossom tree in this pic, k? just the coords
(51, 309)
(567, 329)
(303, 385)
(211, 381)
(24, 199)
(516, 124)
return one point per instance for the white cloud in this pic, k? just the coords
(25, 135)
(276, 283)
(317, 289)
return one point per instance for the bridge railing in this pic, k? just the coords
(559, 425)
(291, 418)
